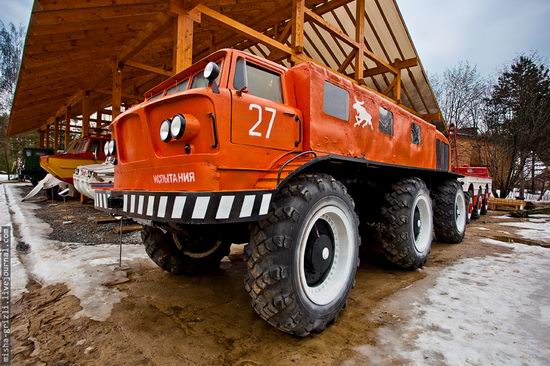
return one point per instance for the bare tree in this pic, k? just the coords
(11, 50)
(460, 91)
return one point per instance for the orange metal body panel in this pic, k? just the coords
(326, 134)
(255, 136)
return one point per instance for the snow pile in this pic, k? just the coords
(534, 229)
(19, 277)
(86, 270)
(488, 311)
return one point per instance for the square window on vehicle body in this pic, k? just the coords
(258, 81)
(336, 101)
(416, 133)
(386, 121)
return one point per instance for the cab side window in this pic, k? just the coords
(386, 121)
(416, 138)
(259, 81)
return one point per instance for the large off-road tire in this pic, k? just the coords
(301, 260)
(485, 202)
(407, 223)
(469, 198)
(450, 212)
(477, 206)
(179, 254)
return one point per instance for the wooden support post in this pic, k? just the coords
(67, 132)
(298, 9)
(117, 89)
(359, 38)
(183, 43)
(47, 136)
(40, 138)
(99, 121)
(56, 134)
(86, 114)
(397, 90)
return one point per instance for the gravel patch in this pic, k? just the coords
(74, 222)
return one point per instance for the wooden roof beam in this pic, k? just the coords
(333, 30)
(151, 32)
(148, 68)
(405, 64)
(243, 29)
(56, 5)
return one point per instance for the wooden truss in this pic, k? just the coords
(191, 29)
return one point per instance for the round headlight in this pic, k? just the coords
(165, 131)
(211, 71)
(177, 128)
(112, 147)
(106, 148)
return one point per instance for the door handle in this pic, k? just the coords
(299, 120)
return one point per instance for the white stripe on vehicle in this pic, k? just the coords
(96, 200)
(248, 205)
(150, 204)
(132, 203)
(201, 205)
(224, 209)
(125, 203)
(162, 206)
(140, 205)
(266, 200)
(102, 200)
(179, 204)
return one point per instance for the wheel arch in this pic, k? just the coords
(348, 170)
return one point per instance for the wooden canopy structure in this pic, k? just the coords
(85, 56)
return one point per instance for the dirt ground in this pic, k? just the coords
(207, 320)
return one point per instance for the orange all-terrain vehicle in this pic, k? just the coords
(238, 149)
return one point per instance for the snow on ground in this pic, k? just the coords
(534, 229)
(503, 217)
(480, 311)
(540, 216)
(18, 277)
(87, 270)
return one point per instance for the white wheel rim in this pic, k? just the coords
(423, 240)
(460, 211)
(336, 279)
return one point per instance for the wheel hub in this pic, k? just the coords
(417, 223)
(319, 253)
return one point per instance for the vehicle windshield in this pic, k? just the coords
(199, 81)
(179, 87)
(78, 147)
(70, 147)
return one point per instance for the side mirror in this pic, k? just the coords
(211, 73)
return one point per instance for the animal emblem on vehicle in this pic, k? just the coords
(363, 117)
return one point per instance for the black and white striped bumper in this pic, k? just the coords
(186, 207)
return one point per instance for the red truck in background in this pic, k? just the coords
(476, 180)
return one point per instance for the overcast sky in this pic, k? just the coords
(488, 33)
